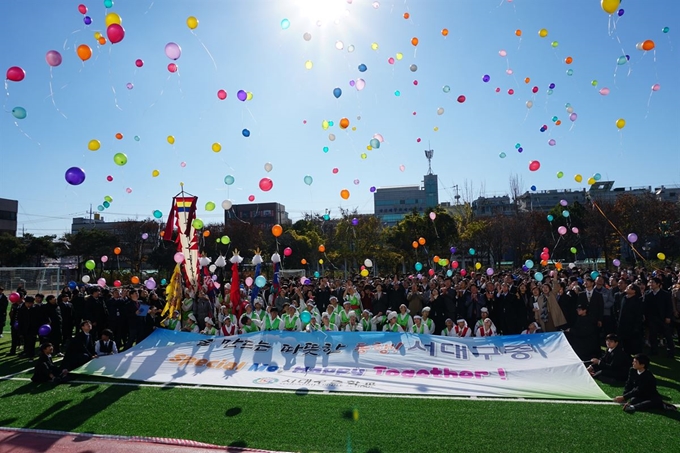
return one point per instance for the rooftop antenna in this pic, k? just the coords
(428, 154)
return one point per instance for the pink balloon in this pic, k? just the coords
(104, 259)
(251, 198)
(534, 165)
(463, 272)
(116, 33)
(433, 216)
(173, 51)
(179, 257)
(249, 281)
(172, 67)
(15, 74)
(604, 91)
(656, 87)
(266, 184)
(82, 9)
(562, 230)
(139, 62)
(101, 282)
(287, 251)
(53, 58)
(574, 230)
(222, 95)
(502, 53)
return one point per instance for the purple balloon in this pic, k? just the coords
(44, 330)
(616, 262)
(621, 11)
(87, 20)
(145, 236)
(355, 221)
(242, 95)
(75, 176)
(53, 58)
(632, 238)
(524, 267)
(372, 189)
(573, 117)
(452, 250)
(486, 78)
(551, 86)
(173, 51)
(351, 83)
(520, 149)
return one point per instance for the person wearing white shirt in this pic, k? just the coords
(353, 325)
(461, 329)
(392, 325)
(487, 329)
(326, 325)
(291, 320)
(367, 323)
(448, 331)
(427, 320)
(105, 346)
(419, 326)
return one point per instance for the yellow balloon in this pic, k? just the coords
(324, 124)
(610, 6)
(620, 123)
(364, 155)
(171, 139)
(97, 35)
(578, 178)
(399, 55)
(216, 147)
(364, 272)
(591, 181)
(94, 145)
(354, 128)
(192, 22)
(374, 46)
(478, 266)
(249, 96)
(320, 261)
(436, 129)
(661, 256)
(369, 147)
(309, 64)
(112, 18)
(542, 32)
(155, 173)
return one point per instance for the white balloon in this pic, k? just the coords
(440, 111)
(226, 205)
(331, 137)
(86, 279)
(360, 84)
(530, 104)
(368, 263)
(268, 167)
(307, 37)
(339, 45)
(212, 268)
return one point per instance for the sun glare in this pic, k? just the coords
(323, 11)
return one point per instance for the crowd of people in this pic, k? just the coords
(640, 309)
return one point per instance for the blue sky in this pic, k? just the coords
(252, 52)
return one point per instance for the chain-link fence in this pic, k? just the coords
(45, 280)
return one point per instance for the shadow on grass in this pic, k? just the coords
(8, 421)
(30, 388)
(233, 411)
(374, 450)
(237, 446)
(302, 391)
(92, 388)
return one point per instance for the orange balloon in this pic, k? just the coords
(116, 251)
(406, 15)
(102, 40)
(119, 136)
(206, 233)
(421, 241)
(303, 262)
(445, 32)
(414, 41)
(344, 193)
(84, 52)
(544, 263)
(414, 244)
(518, 32)
(344, 123)
(277, 230)
(322, 248)
(558, 266)
(558, 122)
(162, 233)
(135, 280)
(436, 258)
(527, 80)
(568, 60)
(648, 45)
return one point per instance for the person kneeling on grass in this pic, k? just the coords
(613, 366)
(45, 370)
(640, 393)
(105, 346)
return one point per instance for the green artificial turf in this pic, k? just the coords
(326, 423)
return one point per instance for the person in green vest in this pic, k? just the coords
(427, 320)
(353, 325)
(209, 327)
(448, 330)
(344, 314)
(326, 325)
(311, 308)
(419, 326)
(392, 325)
(273, 322)
(249, 325)
(313, 326)
(332, 313)
(173, 323)
(367, 324)
(380, 320)
(291, 320)
(404, 318)
(191, 325)
(259, 313)
(352, 296)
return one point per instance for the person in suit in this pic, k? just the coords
(659, 312)
(640, 393)
(593, 300)
(630, 320)
(613, 366)
(583, 334)
(81, 349)
(45, 370)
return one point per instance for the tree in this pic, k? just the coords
(38, 247)
(90, 243)
(12, 250)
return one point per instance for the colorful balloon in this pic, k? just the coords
(344, 193)
(229, 180)
(266, 184)
(620, 123)
(115, 33)
(75, 176)
(173, 51)
(308, 180)
(610, 6)
(84, 52)
(120, 159)
(53, 58)
(192, 22)
(534, 165)
(19, 113)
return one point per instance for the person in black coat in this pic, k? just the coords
(613, 367)
(94, 310)
(29, 317)
(593, 300)
(630, 320)
(45, 370)
(583, 335)
(81, 348)
(53, 314)
(640, 390)
(66, 309)
(659, 313)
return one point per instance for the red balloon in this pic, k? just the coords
(534, 165)
(14, 297)
(266, 184)
(16, 74)
(222, 95)
(139, 62)
(461, 98)
(172, 67)
(251, 198)
(82, 9)
(534, 90)
(116, 33)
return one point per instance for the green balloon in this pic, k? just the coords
(560, 174)
(120, 159)
(225, 240)
(197, 223)
(594, 83)
(573, 250)
(108, 198)
(209, 206)
(19, 113)
(90, 264)
(554, 44)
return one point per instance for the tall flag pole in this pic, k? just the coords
(181, 217)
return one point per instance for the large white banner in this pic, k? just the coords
(526, 366)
